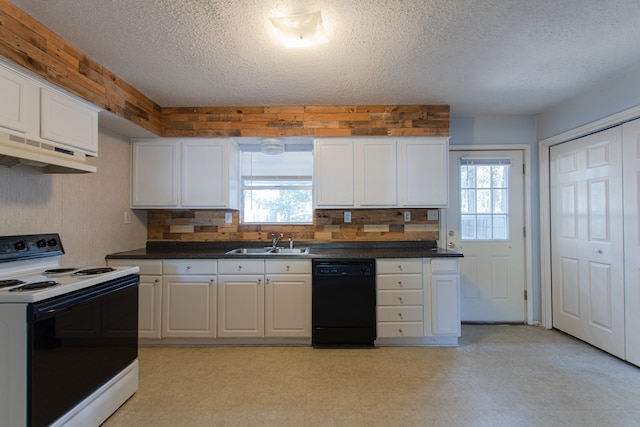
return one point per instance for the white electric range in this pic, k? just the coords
(69, 336)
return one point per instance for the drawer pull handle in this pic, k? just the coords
(239, 267)
(288, 268)
(400, 299)
(400, 283)
(259, 281)
(401, 331)
(188, 267)
(400, 267)
(400, 315)
(211, 282)
(268, 281)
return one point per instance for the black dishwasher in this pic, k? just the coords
(343, 303)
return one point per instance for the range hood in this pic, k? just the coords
(16, 150)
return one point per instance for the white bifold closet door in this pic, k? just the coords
(587, 254)
(631, 170)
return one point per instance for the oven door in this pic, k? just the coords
(76, 343)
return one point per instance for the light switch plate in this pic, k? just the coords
(407, 216)
(432, 214)
(228, 217)
(347, 217)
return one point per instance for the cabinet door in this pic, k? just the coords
(67, 121)
(149, 294)
(18, 107)
(149, 306)
(424, 172)
(376, 172)
(154, 181)
(445, 305)
(333, 173)
(189, 306)
(288, 305)
(205, 176)
(241, 308)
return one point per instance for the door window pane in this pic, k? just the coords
(484, 199)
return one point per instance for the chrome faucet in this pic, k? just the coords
(275, 240)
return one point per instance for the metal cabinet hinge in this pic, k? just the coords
(525, 295)
(523, 169)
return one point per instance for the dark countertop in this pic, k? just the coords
(211, 250)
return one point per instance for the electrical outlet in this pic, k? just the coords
(432, 214)
(407, 216)
(228, 217)
(347, 217)
(127, 217)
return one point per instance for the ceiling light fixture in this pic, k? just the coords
(300, 30)
(272, 146)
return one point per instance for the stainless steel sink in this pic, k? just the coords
(269, 251)
(250, 251)
(290, 251)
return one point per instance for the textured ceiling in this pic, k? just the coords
(480, 57)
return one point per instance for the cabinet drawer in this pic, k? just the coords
(411, 313)
(399, 265)
(189, 266)
(400, 329)
(447, 266)
(285, 266)
(241, 266)
(400, 298)
(399, 281)
(149, 267)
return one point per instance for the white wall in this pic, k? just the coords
(86, 209)
(615, 94)
(503, 130)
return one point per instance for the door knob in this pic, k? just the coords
(451, 245)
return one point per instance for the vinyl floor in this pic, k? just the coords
(499, 375)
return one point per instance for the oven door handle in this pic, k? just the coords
(48, 309)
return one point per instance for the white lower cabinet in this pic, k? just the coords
(287, 307)
(264, 298)
(149, 295)
(445, 297)
(189, 298)
(418, 300)
(400, 300)
(241, 298)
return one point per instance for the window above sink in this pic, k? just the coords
(276, 189)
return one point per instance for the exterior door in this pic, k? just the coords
(485, 221)
(587, 271)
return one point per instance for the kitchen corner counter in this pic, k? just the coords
(212, 250)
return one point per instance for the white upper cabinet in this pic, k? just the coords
(376, 172)
(333, 172)
(67, 121)
(154, 177)
(18, 102)
(207, 167)
(43, 114)
(189, 173)
(423, 172)
(379, 172)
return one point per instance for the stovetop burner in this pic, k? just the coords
(35, 285)
(10, 282)
(52, 271)
(92, 271)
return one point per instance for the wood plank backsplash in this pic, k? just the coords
(366, 225)
(32, 46)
